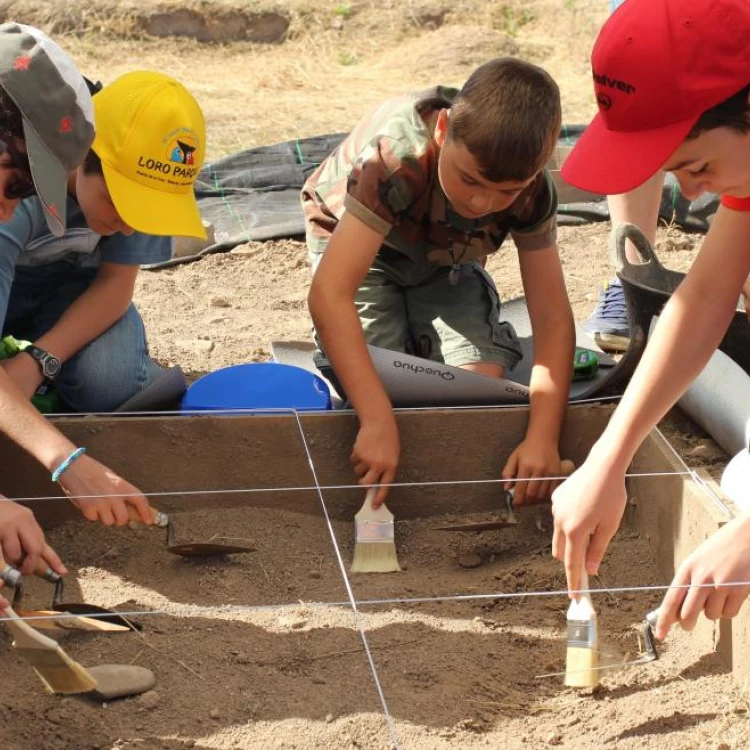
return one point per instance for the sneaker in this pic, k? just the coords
(608, 324)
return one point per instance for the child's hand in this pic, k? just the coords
(101, 495)
(376, 453)
(723, 558)
(22, 540)
(533, 459)
(587, 508)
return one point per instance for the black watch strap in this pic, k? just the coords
(48, 363)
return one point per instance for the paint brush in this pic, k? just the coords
(58, 672)
(374, 545)
(582, 657)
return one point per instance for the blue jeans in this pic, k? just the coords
(615, 4)
(106, 372)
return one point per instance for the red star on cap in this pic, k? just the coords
(52, 208)
(66, 124)
(22, 62)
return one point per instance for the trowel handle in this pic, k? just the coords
(159, 519)
(653, 617)
(11, 576)
(567, 467)
(44, 571)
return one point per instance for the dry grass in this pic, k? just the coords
(340, 58)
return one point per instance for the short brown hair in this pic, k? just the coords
(508, 115)
(732, 113)
(11, 124)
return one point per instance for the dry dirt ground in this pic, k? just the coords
(457, 674)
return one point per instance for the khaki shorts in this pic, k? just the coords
(454, 324)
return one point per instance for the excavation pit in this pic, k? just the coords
(265, 650)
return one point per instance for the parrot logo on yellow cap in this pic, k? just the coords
(181, 150)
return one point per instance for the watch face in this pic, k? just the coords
(51, 367)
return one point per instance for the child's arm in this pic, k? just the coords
(99, 307)
(347, 259)
(588, 506)
(554, 342)
(106, 493)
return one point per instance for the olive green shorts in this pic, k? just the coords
(451, 323)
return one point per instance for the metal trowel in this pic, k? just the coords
(509, 517)
(647, 651)
(45, 619)
(189, 549)
(93, 611)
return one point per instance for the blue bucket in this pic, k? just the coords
(261, 385)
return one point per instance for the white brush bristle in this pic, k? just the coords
(374, 545)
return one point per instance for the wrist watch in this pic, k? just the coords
(48, 363)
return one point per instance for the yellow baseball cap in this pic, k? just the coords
(151, 139)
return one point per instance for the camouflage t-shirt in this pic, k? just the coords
(385, 173)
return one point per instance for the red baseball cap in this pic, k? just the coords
(658, 65)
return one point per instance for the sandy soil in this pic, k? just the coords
(283, 672)
(280, 671)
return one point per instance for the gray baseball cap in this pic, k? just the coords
(56, 109)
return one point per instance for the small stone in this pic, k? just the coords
(329, 718)
(214, 713)
(149, 700)
(314, 574)
(554, 738)
(218, 302)
(188, 743)
(199, 346)
(244, 659)
(297, 624)
(471, 560)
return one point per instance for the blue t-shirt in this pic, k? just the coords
(25, 241)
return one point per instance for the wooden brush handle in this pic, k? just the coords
(370, 495)
(584, 583)
(24, 635)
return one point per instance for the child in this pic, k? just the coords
(72, 296)
(400, 219)
(672, 80)
(130, 181)
(46, 126)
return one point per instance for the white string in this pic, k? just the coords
(349, 591)
(308, 488)
(241, 608)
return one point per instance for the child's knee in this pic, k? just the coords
(490, 369)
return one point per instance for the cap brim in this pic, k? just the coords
(50, 180)
(153, 211)
(610, 162)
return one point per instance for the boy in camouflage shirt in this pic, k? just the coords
(399, 221)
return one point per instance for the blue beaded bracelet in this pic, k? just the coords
(63, 467)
